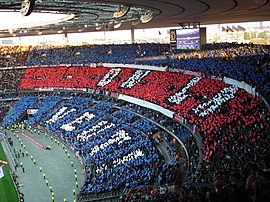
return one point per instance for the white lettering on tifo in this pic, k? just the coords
(134, 79)
(60, 114)
(129, 157)
(94, 130)
(179, 97)
(204, 109)
(85, 117)
(109, 77)
(119, 137)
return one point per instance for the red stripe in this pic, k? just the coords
(36, 142)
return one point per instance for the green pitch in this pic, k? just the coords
(7, 190)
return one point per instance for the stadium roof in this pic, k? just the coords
(87, 15)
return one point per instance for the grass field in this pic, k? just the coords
(7, 190)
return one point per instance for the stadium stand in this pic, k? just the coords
(4, 108)
(243, 62)
(13, 56)
(10, 80)
(100, 137)
(233, 124)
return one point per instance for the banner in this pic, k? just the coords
(32, 111)
(188, 72)
(31, 139)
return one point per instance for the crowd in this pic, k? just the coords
(220, 173)
(13, 56)
(19, 110)
(209, 104)
(242, 176)
(243, 62)
(4, 108)
(233, 124)
(94, 54)
(118, 152)
(10, 80)
(46, 103)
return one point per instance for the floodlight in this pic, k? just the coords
(27, 7)
(123, 10)
(117, 25)
(147, 16)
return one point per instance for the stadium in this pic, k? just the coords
(134, 120)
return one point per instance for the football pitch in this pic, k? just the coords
(7, 190)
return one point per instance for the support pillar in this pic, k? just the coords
(132, 35)
(65, 38)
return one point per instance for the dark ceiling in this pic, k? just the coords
(98, 15)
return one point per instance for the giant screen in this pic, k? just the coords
(188, 38)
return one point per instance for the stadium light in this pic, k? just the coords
(99, 27)
(123, 10)
(147, 16)
(117, 25)
(27, 7)
(10, 30)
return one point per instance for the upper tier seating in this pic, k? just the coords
(243, 62)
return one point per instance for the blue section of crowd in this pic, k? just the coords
(118, 154)
(19, 109)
